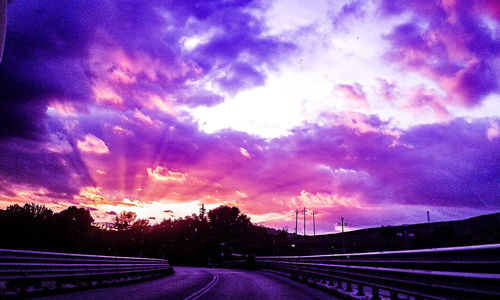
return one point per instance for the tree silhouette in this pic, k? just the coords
(30, 210)
(124, 220)
(140, 224)
(230, 228)
(78, 218)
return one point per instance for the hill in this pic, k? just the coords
(483, 229)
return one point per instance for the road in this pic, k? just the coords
(205, 283)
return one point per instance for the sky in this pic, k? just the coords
(377, 111)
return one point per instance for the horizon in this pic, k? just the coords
(375, 111)
(338, 230)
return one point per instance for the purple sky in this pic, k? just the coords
(377, 111)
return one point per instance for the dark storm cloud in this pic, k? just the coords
(48, 45)
(51, 54)
(49, 162)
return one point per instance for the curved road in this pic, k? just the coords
(205, 283)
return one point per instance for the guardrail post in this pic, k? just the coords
(59, 284)
(339, 285)
(375, 293)
(23, 291)
(361, 290)
(348, 287)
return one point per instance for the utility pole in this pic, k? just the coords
(428, 217)
(304, 221)
(314, 223)
(296, 220)
(343, 239)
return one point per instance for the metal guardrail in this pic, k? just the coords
(471, 272)
(24, 268)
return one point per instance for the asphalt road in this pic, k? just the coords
(205, 283)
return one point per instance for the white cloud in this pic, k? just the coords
(163, 174)
(92, 144)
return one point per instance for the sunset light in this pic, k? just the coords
(377, 111)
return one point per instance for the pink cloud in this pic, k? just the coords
(361, 123)
(123, 78)
(123, 67)
(107, 95)
(349, 164)
(387, 90)
(64, 108)
(493, 131)
(122, 131)
(91, 195)
(323, 200)
(163, 174)
(140, 116)
(419, 100)
(353, 93)
(156, 102)
(342, 168)
(92, 144)
(245, 153)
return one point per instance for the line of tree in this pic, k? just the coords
(196, 239)
(214, 236)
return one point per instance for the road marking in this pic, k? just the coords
(199, 293)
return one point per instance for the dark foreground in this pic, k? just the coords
(205, 283)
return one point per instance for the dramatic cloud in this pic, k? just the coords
(354, 162)
(374, 110)
(117, 52)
